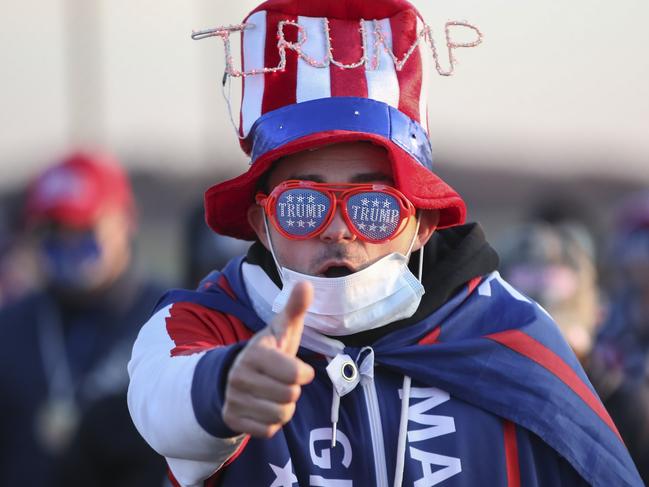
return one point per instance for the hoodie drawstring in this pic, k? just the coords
(345, 375)
(403, 432)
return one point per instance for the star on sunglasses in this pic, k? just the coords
(303, 209)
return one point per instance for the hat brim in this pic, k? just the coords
(227, 203)
(70, 216)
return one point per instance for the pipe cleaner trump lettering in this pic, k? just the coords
(372, 38)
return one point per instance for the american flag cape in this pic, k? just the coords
(494, 348)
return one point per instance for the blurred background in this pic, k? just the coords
(555, 102)
(544, 129)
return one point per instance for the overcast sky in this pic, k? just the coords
(556, 87)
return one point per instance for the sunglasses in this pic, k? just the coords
(303, 209)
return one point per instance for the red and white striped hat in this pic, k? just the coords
(318, 72)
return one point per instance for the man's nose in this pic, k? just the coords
(337, 230)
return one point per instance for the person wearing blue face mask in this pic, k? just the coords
(69, 258)
(63, 378)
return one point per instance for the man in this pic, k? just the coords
(66, 346)
(365, 338)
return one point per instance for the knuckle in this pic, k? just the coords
(235, 401)
(247, 356)
(305, 373)
(266, 431)
(229, 418)
(271, 414)
(256, 346)
(294, 371)
(238, 380)
(286, 413)
(294, 393)
(272, 429)
(276, 417)
(290, 393)
(262, 341)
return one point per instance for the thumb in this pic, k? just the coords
(288, 325)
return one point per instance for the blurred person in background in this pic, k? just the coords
(205, 251)
(619, 365)
(18, 269)
(63, 370)
(554, 265)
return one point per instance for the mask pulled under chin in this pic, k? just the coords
(382, 293)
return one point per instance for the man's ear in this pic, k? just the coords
(428, 220)
(255, 216)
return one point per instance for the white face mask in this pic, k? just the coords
(382, 293)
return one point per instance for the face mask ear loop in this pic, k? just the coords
(421, 250)
(421, 263)
(414, 237)
(272, 250)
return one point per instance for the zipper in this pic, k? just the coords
(376, 430)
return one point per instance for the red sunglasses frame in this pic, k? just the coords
(332, 190)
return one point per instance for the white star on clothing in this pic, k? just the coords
(311, 199)
(300, 223)
(311, 224)
(375, 203)
(300, 199)
(361, 226)
(290, 223)
(383, 228)
(284, 476)
(289, 198)
(365, 201)
(386, 204)
(372, 227)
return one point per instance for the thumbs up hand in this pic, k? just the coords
(264, 382)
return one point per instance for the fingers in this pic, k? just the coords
(252, 427)
(278, 365)
(267, 388)
(266, 365)
(264, 382)
(263, 386)
(266, 415)
(288, 325)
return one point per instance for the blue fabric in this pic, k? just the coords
(363, 115)
(98, 339)
(212, 296)
(463, 387)
(207, 399)
(70, 261)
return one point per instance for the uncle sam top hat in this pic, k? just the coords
(318, 72)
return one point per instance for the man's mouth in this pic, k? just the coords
(337, 269)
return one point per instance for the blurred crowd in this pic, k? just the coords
(600, 302)
(72, 299)
(73, 296)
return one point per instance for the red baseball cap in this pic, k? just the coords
(77, 190)
(320, 72)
